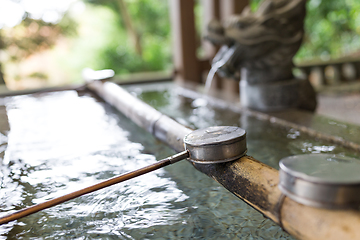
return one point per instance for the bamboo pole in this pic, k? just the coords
(161, 126)
(250, 180)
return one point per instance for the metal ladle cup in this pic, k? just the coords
(216, 144)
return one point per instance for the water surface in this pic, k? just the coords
(60, 142)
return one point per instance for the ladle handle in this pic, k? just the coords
(38, 207)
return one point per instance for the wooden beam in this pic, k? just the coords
(228, 8)
(187, 67)
(211, 10)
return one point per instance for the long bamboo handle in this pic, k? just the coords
(41, 206)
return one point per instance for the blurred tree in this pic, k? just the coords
(134, 35)
(148, 28)
(332, 29)
(129, 26)
(101, 38)
(32, 36)
(2, 45)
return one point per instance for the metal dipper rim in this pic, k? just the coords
(321, 180)
(216, 144)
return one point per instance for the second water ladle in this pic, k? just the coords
(206, 146)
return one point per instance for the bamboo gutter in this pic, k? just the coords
(250, 180)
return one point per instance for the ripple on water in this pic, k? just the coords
(61, 142)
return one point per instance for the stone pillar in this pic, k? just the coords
(338, 75)
(320, 75)
(349, 71)
(357, 70)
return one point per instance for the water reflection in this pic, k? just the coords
(61, 142)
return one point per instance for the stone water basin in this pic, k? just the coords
(56, 143)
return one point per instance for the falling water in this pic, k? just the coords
(226, 53)
(210, 78)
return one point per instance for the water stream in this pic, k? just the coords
(210, 78)
(225, 54)
(60, 142)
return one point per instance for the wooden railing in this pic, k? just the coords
(332, 72)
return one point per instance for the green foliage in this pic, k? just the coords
(254, 4)
(68, 26)
(150, 16)
(32, 36)
(95, 38)
(151, 21)
(332, 29)
(98, 37)
(95, 44)
(39, 75)
(103, 41)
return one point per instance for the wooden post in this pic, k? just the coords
(357, 70)
(187, 67)
(228, 8)
(211, 10)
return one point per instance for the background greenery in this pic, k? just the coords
(99, 36)
(332, 29)
(150, 20)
